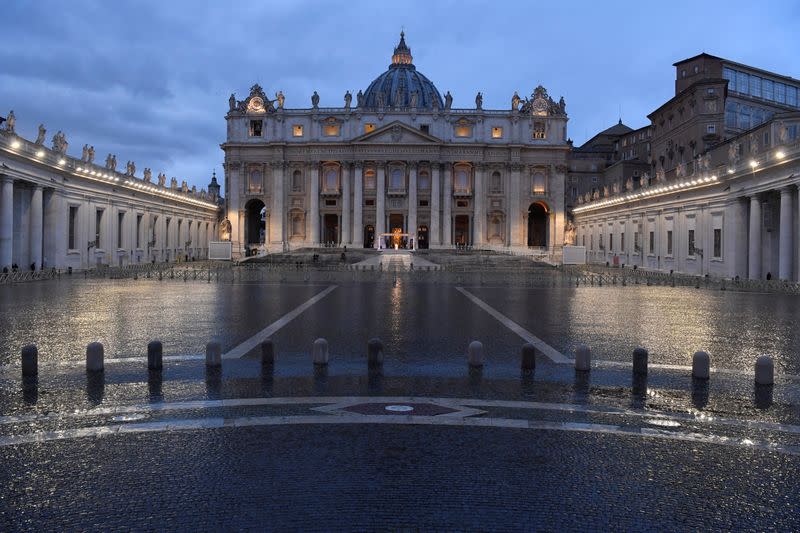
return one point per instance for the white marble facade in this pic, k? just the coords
(733, 211)
(396, 159)
(57, 211)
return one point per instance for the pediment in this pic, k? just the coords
(397, 133)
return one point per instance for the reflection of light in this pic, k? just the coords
(40, 153)
(396, 246)
(754, 163)
(779, 154)
(15, 144)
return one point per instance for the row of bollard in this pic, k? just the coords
(701, 361)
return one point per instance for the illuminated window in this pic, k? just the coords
(368, 127)
(538, 130)
(255, 128)
(369, 180)
(538, 182)
(254, 181)
(497, 132)
(331, 130)
(297, 130)
(463, 130)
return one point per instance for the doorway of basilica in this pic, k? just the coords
(397, 239)
(537, 225)
(331, 228)
(369, 236)
(422, 237)
(461, 230)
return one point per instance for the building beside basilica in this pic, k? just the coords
(396, 165)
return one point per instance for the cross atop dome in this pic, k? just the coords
(402, 53)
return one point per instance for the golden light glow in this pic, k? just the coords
(497, 132)
(779, 154)
(368, 127)
(15, 144)
(297, 130)
(463, 131)
(753, 163)
(40, 153)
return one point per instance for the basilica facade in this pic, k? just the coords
(395, 166)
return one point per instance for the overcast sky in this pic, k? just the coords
(150, 80)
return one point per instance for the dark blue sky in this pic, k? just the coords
(150, 80)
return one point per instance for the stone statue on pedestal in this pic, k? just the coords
(40, 137)
(85, 153)
(515, 101)
(360, 98)
(347, 99)
(569, 234)
(414, 98)
(280, 99)
(184, 186)
(90, 155)
(148, 175)
(479, 101)
(315, 100)
(11, 122)
(232, 103)
(162, 179)
(448, 100)
(173, 184)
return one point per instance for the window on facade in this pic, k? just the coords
(744, 117)
(369, 180)
(331, 182)
(463, 130)
(742, 83)
(255, 128)
(636, 244)
(600, 242)
(169, 235)
(622, 242)
(538, 130)
(425, 128)
(297, 181)
(591, 242)
(711, 128)
(330, 203)
(423, 203)
(462, 203)
(180, 226)
(397, 179)
(791, 95)
(690, 243)
(331, 130)
(138, 231)
(368, 127)
(297, 130)
(98, 226)
(610, 242)
(755, 86)
(254, 181)
(497, 132)
(767, 89)
(669, 242)
(730, 114)
(369, 201)
(461, 181)
(718, 242)
(297, 225)
(73, 222)
(496, 185)
(780, 93)
(424, 181)
(652, 245)
(538, 182)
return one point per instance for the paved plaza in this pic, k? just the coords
(423, 442)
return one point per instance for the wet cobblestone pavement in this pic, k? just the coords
(424, 444)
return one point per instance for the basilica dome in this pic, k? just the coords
(402, 86)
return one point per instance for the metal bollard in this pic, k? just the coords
(528, 357)
(94, 357)
(155, 352)
(701, 365)
(267, 353)
(583, 358)
(475, 354)
(213, 354)
(374, 353)
(640, 361)
(30, 360)
(320, 352)
(765, 370)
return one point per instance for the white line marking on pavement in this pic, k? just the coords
(253, 421)
(270, 330)
(549, 351)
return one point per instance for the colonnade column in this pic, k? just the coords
(412, 203)
(513, 206)
(380, 203)
(478, 198)
(6, 221)
(276, 217)
(434, 238)
(314, 217)
(754, 239)
(36, 227)
(346, 232)
(358, 205)
(447, 234)
(785, 243)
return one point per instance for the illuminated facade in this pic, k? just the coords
(60, 211)
(395, 166)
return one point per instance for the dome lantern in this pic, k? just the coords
(402, 53)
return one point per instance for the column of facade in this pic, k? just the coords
(56, 227)
(346, 232)
(358, 205)
(36, 226)
(276, 216)
(313, 218)
(754, 239)
(447, 214)
(478, 199)
(434, 238)
(785, 248)
(380, 203)
(6, 221)
(797, 237)
(412, 203)
(513, 206)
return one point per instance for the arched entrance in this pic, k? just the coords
(537, 225)
(255, 222)
(461, 230)
(422, 237)
(369, 236)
